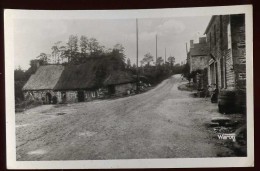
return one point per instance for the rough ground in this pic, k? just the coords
(161, 123)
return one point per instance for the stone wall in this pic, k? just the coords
(226, 39)
(238, 50)
(214, 40)
(62, 96)
(230, 75)
(199, 62)
(90, 95)
(41, 95)
(72, 96)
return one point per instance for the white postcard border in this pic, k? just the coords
(10, 15)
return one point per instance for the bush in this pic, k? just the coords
(23, 105)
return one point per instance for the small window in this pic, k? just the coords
(229, 36)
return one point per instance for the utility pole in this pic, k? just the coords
(137, 69)
(186, 49)
(156, 50)
(165, 57)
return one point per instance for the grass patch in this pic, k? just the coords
(24, 105)
(187, 87)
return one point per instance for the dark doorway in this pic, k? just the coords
(111, 89)
(222, 69)
(63, 97)
(216, 67)
(48, 98)
(81, 97)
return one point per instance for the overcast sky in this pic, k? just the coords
(32, 37)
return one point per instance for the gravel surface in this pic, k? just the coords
(161, 123)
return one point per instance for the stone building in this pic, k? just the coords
(227, 64)
(226, 42)
(75, 83)
(198, 55)
(40, 86)
(198, 61)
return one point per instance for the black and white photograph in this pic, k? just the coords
(129, 88)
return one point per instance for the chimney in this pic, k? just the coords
(202, 40)
(191, 44)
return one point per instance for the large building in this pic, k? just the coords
(222, 56)
(226, 42)
(227, 64)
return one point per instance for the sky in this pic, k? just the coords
(35, 36)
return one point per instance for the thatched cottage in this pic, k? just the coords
(76, 83)
(40, 85)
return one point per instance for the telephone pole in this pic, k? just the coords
(137, 69)
(156, 49)
(186, 49)
(165, 57)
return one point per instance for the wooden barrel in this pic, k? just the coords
(227, 101)
(241, 101)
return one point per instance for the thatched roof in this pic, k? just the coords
(45, 78)
(94, 73)
(76, 77)
(119, 77)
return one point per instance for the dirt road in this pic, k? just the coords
(161, 123)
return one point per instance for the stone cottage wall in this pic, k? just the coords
(40, 95)
(90, 95)
(199, 62)
(221, 50)
(71, 96)
(214, 43)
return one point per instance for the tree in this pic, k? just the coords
(44, 58)
(94, 47)
(142, 62)
(120, 51)
(83, 45)
(128, 63)
(19, 74)
(72, 50)
(63, 53)
(147, 59)
(159, 61)
(56, 52)
(186, 72)
(171, 60)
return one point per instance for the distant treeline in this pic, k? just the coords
(77, 50)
